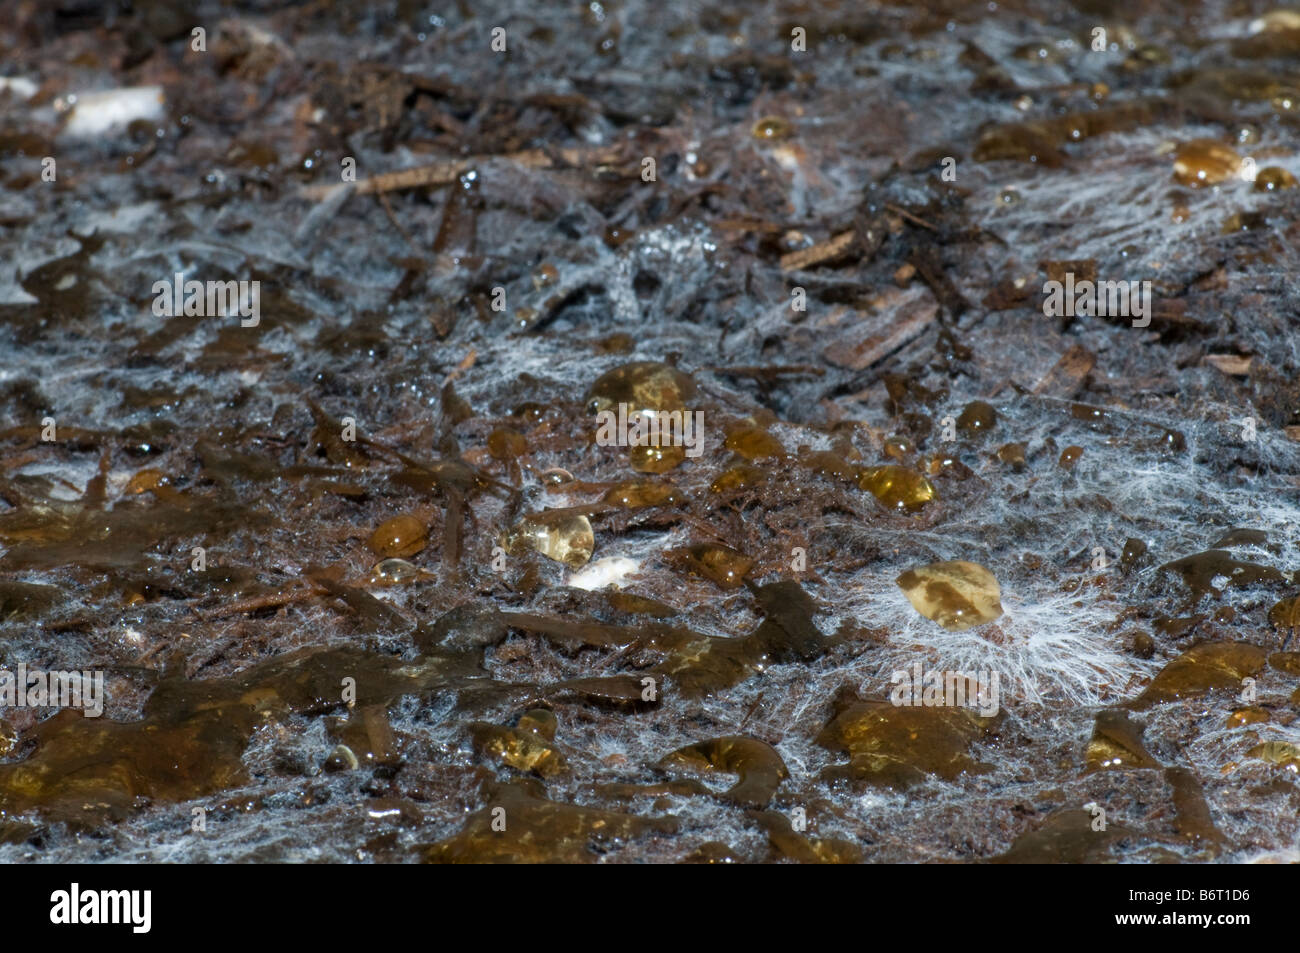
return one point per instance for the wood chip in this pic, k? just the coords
(887, 337)
(1232, 364)
(819, 254)
(1067, 375)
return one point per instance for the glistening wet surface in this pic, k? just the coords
(922, 569)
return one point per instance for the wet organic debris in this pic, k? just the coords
(528, 746)
(520, 825)
(898, 747)
(1204, 668)
(1117, 743)
(192, 736)
(1069, 836)
(757, 764)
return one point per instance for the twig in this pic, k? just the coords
(910, 217)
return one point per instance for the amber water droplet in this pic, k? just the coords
(1069, 457)
(948, 464)
(1134, 550)
(977, 417)
(1089, 413)
(1171, 441)
(1281, 753)
(367, 735)
(1117, 743)
(771, 129)
(1243, 222)
(1037, 52)
(506, 444)
(958, 595)
(741, 477)
(635, 495)
(1204, 162)
(1146, 55)
(753, 443)
(616, 235)
(1274, 178)
(723, 565)
(342, 758)
(530, 412)
(394, 572)
(645, 386)
(545, 275)
(616, 343)
(399, 536)
(1251, 715)
(1027, 141)
(828, 464)
(899, 447)
(1013, 455)
(146, 480)
(655, 459)
(566, 538)
(555, 476)
(897, 488)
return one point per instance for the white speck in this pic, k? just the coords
(604, 572)
(96, 113)
(20, 86)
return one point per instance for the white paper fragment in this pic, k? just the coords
(93, 114)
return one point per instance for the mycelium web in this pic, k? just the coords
(490, 676)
